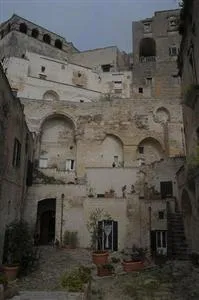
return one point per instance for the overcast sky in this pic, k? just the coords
(87, 23)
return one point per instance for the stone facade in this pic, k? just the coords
(98, 143)
(188, 179)
(15, 157)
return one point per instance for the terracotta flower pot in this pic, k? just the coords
(104, 272)
(131, 266)
(11, 272)
(100, 258)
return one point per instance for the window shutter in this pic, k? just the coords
(99, 242)
(115, 235)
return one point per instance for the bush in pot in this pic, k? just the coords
(18, 249)
(105, 270)
(136, 261)
(99, 255)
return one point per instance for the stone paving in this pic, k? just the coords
(176, 280)
(53, 263)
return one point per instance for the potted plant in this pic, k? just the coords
(18, 249)
(99, 256)
(136, 262)
(105, 270)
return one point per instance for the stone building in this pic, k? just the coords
(104, 137)
(15, 157)
(188, 175)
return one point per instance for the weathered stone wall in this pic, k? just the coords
(155, 71)
(95, 58)
(35, 75)
(187, 176)
(17, 41)
(12, 178)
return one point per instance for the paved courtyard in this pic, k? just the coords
(176, 280)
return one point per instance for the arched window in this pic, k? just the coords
(147, 47)
(2, 34)
(51, 95)
(35, 33)
(23, 28)
(58, 44)
(8, 27)
(46, 38)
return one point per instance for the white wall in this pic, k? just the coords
(104, 179)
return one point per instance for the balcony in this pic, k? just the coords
(146, 59)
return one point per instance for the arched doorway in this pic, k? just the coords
(45, 227)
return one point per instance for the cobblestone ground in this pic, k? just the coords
(176, 280)
(53, 263)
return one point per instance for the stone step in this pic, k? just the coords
(39, 295)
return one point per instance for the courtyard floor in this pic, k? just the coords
(176, 280)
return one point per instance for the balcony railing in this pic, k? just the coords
(145, 59)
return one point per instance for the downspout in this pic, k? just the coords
(61, 227)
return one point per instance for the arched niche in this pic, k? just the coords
(112, 151)
(50, 96)
(58, 44)
(162, 115)
(23, 28)
(147, 47)
(149, 150)
(47, 38)
(35, 33)
(57, 143)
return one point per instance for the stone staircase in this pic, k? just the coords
(177, 246)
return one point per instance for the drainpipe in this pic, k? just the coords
(61, 227)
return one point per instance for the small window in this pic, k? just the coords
(141, 149)
(140, 90)
(70, 164)
(23, 28)
(58, 44)
(79, 74)
(147, 27)
(117, 85)
(173, 51)
(35, 33)
(43, 162)
(173, 23)
(43, 69)
(116, 160)
(161, 215)
(16, 153)
(149, 81)
(46, 39)
(81, 101)
(166, 189)
(106, 68)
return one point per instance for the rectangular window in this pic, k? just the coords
(43, 162)
(106, 68)
(173, 51)
(166, 189)
(140, 90)
(149, 81)
(16, 153)
(161, 215)
(141, 150)
(117, 85)
(70, 164)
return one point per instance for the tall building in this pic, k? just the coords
(105, 136)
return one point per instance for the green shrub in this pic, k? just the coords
(70, 238)
(18, 246)
(74, 281)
